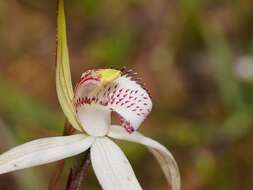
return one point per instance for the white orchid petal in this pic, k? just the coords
(163, 156)
(111, 166)
(95, 119)
(124, 95)
(43, 151)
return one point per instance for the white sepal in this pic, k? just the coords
(43, 151)
(161, 153)
(111, 166)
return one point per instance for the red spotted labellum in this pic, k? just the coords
(123, 95)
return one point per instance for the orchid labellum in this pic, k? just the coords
(88, 108)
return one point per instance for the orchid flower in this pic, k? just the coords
(88, 109)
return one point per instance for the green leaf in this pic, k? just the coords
(63, 76)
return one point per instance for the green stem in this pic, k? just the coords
(77, 174)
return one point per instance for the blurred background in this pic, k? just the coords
(196, 57)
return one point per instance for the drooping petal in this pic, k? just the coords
(121, 94)
(161, 153)
(43, 151)
(63, 76)
(111, 166)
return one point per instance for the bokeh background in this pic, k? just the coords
(196, 57)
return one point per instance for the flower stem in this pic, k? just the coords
(78, 172)
(68, 130)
